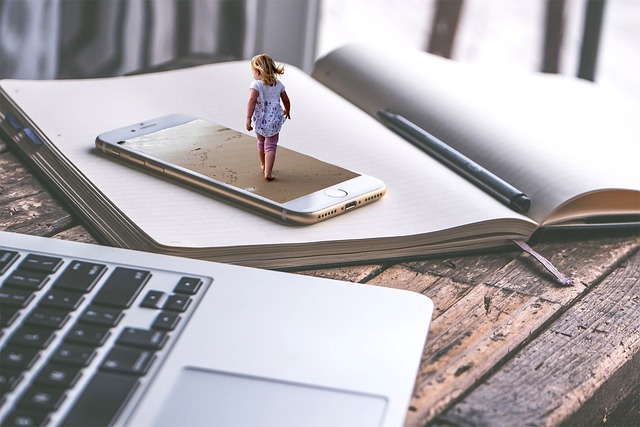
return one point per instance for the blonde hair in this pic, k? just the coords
(267, 68)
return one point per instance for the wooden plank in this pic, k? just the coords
(34, 216)
(76, 234)
(551, 379)
(616, 402)
(484, 316)
(575, 254)
(358, 273)
(14, 175)
(466, 269)
(468, 339)
(27, 207)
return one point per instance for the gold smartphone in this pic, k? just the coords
(224, 163)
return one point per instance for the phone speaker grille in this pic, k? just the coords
(373, 197)
(328, 213)
(366, 200)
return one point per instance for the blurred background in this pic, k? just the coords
(53, 39)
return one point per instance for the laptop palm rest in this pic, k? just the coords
(209, 398)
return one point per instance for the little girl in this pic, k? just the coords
(264, 109)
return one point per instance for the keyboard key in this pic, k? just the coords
(15, 296)
(41, 263)
(177, 303)
(62, 299)
(102, 400)
(27, 279)
(9, 379)
(166, 321)
(18, 357)
(7, 258)
(128, 361)
(122, 287)
(42, 398)
(30, 336)
(188, 286)
(25, 417)
(101, 315)
(8, 315)
(135, 337)
(73, 354)
(80, 276)
(153, 299)
(58, 375)
(93, 335)
(100, 292)
(47, 317)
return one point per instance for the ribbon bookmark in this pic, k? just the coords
(564, 281)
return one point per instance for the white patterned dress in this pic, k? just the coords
(268, 116)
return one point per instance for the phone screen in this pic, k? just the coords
(231, 157)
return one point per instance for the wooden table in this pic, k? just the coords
(506, 347)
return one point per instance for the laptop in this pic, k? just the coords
(94, 335)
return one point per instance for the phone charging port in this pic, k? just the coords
(350, 205)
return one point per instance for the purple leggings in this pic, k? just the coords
(268, 143)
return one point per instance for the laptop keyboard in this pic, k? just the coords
(80, 339)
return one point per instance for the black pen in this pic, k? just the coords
(498, 188)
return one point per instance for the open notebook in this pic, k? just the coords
(96, 336)
(569, 147)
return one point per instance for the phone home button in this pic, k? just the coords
(335, 192)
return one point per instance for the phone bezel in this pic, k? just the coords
(308, 209)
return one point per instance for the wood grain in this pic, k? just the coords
(27, 207)
(357, 274)
(591, 353)
(492, 308)
(76, 234)
(507, 345)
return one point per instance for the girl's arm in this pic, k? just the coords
(287, 104)
(251, 107)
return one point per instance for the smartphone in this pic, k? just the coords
(224, 164)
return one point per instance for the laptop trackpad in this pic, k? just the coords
(207, 398)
